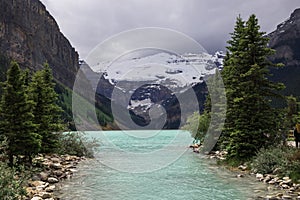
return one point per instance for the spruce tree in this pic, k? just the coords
(250, 121)
(231, 74)
(47, 114)
(17, 118)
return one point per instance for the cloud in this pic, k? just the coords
(86, 23)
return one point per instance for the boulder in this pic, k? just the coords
(58, 173)
(55, 160)
(242, 167)
(50, 188)
(36, 198)
(259, 176)
(45, 195)
(240, 176)
(55, 165)
(36, 183)
(52, 180)
(286, 197)
(43, 176)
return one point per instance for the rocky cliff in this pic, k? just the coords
(30, 35)
(286, 41)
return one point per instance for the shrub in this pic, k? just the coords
(293, 169)
(287, 159)
(269, 159)
(75, 143)
(11, 180)
(11, 183)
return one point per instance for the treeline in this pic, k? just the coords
(30, 119)
(252, 122)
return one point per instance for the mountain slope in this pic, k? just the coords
(31, 36)
(286, 41)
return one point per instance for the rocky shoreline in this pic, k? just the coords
(56, 169)
(279, 188)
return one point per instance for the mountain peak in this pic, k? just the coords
(296, 14)
(31, 36)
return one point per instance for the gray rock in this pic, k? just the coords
(52, 180)
(240, 176)
(50, 188)
(38, 39)
(55, 160)
(58, 173)
(36, 183)
(272, 182)
(242, 167)
(36, 198)
(73, 170)
(269, 197)
(285, 186)
(43, 176)
(287, 197)
(56, 166)
(45, 195)
(259, 176)
(277, 170)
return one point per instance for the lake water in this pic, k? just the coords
(153, 165)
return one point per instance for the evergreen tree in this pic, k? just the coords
(250, 121)
(17, 118)
(47, 114)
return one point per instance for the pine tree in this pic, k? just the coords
(17, 118)
(250, 121)
(231, 74)
(47, 114)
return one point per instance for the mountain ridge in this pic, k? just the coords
(31, 36)
(285, 40)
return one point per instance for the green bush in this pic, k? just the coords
(293, 169)
(287, 159)
(267, 160)
(11, 183)
(75, 143)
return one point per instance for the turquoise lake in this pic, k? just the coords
(153, 165)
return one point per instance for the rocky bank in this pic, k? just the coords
(56, 169)
(279, 188)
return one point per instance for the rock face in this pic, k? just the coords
(286, 41)
(31, 36)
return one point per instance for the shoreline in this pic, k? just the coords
(278, 188)
(54, 170)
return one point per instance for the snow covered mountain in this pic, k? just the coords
(143, 82)
(158, 68)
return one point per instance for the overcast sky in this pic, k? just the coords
(86, 23)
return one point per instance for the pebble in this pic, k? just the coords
(56, 169)
(288, 189)
(36, 198)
